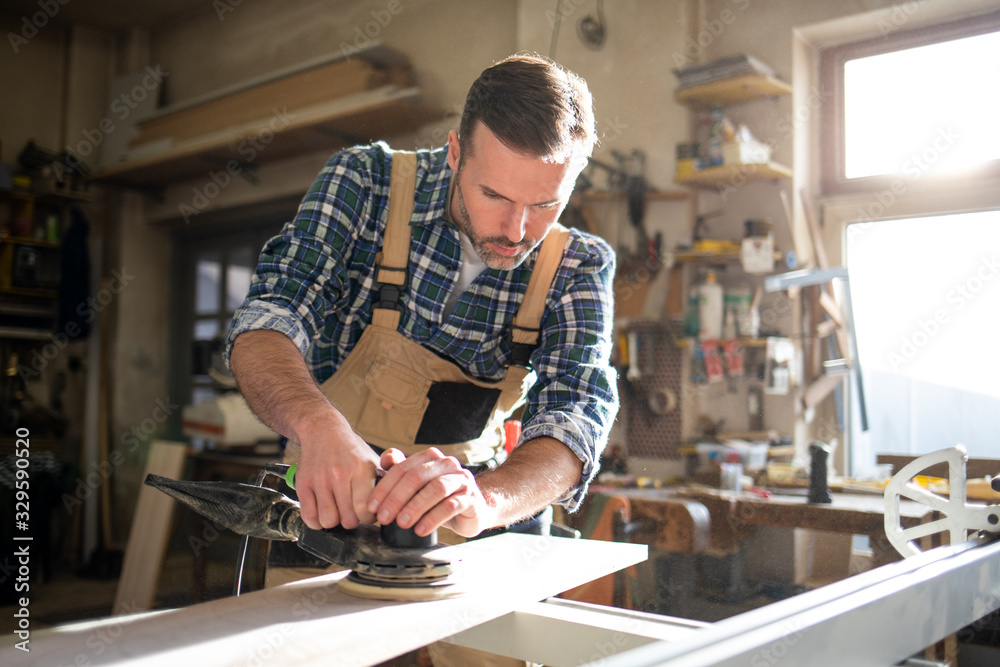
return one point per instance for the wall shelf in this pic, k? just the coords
(732, 90)
(735, 175)
(726, 92)
(745, 341)
(652, 195)
(331, 126)
(692, 257)
(324, 104)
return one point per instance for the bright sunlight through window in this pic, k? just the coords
(925, 297)
(926, 110)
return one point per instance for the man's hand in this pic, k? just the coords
(336, 469)
(429, 490)
(335, 476)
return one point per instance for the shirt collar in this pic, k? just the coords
(435, 185)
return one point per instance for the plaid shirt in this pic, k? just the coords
(315, 284)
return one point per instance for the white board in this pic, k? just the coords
(313, 622)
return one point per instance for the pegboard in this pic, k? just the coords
(660, 363)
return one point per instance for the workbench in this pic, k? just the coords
(875, 619)
(734, 515)
(685, 524)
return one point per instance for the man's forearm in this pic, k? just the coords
(537, 473)
(278, 387)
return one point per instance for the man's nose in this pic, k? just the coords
(515, 225)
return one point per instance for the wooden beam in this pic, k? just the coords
(831, 308)
(293, 92)
(313, 622)
(820, 389)
(812, 221)
(974, 468)
(803, 249)
(825, 328)
(147, 541)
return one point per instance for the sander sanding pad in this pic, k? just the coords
(439, 590)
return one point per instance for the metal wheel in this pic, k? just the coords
(958, 518)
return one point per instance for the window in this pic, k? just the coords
(924, 294)
(221, 280)
(212, 273)
(912, 106)
(909, 167)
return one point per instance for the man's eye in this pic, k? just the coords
(493, 195)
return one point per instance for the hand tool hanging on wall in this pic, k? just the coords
(627, 177)
(635, 192)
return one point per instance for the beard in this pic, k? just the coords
(480, 244)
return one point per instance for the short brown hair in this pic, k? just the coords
(533, 106)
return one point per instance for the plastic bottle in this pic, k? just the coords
(738, 312)
(710, 308)
(731, 473)
(691, 314)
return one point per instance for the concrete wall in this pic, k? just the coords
(32, 75)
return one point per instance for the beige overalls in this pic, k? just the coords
(387, 383)
(385, 386)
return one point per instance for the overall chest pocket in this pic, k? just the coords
(394, 408)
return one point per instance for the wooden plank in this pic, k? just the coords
(848, 513)
(831, 308)
(654, 307)
(839, 328)
(825, 328)
(820, 389)
(803, 249)
(812, 221)
(296, 91)
(376, 114)
(313, 622)
(676, 301)
(147, 541)
(975, 468)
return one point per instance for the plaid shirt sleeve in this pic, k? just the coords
(301, 276)
(575, 398)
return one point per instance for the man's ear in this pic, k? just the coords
(454, 150)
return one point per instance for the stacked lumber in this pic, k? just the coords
(257, 102)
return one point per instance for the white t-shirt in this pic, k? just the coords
(471, 267)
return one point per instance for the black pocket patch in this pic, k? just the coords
(457, 412)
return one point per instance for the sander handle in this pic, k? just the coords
(392, 534)
(288, 472)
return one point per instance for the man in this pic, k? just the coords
(415, 337)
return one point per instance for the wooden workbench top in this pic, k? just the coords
(848, 513)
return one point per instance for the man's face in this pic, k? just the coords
(506, 202)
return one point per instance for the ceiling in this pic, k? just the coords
(115, 15)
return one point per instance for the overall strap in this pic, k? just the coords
(528, 321)
(392, 260)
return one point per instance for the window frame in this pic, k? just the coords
(831, 73)
(220, 231)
